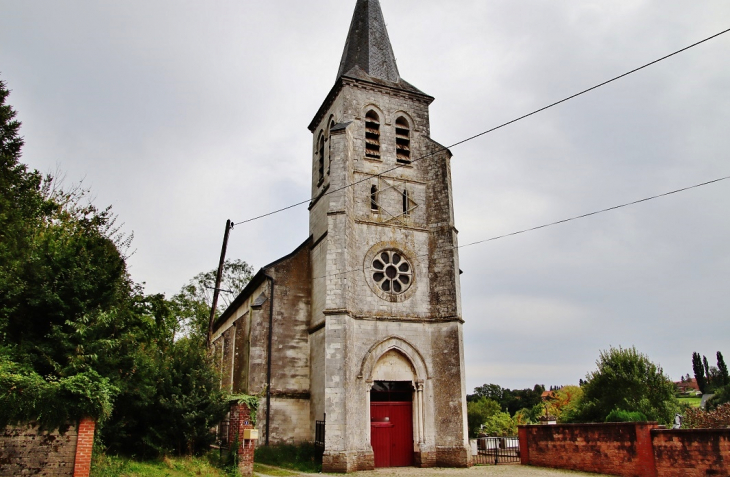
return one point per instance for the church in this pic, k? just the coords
(355, 339)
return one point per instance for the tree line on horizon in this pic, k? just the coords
(626, 386)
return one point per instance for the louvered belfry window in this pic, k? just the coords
(403, 141)
(372, 135)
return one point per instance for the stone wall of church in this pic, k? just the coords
(241, 345)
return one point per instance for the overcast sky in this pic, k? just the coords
(182, 114)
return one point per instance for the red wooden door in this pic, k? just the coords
(392, 433)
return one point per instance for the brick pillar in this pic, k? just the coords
(524, 451)
(646, 466)
(84, 446)
(240, 420)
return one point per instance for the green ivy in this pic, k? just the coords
(251, 401)
(26, 396)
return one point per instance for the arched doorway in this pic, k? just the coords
(392, 411)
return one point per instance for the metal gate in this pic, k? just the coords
(497, 450)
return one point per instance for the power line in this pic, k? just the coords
(558, 222)
(431, 154)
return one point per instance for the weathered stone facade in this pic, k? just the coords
(373, 295)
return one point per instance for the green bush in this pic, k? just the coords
(478, 412)
(626, 379)
(619, 415)
(301, 457)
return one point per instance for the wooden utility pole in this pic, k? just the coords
(219, 275)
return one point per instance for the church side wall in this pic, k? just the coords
(290, 379)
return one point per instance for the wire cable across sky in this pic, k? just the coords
(471, 138)
(558, 222)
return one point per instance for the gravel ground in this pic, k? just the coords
(480, 471)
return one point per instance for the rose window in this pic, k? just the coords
(391, 272)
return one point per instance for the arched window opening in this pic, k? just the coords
(374, 198)
(329, 163)
(372, 135)
(402, 141)
(321, 159)
(406, 203)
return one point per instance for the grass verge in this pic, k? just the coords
(692, 401)
(301, 457)
(112, 466)
(267, 470)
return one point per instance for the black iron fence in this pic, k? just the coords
(221, 435)
(497, 450)
(319, 434)
(319, 429)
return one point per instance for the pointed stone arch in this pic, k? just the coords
(398, 344)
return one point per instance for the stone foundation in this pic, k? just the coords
(346, 462)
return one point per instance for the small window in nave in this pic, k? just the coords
(372, 135)
(406, 203)
(402, 141)
(374, 198)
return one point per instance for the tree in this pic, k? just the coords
(490, 391)
(500, 424)
(564, 402)
(60, 272)
(478, 412)
(708, 374)
(194, 300)
(722, 367)
(699, 371)
(626, 380)
(77, 337)
(510, 400)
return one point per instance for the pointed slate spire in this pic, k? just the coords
(368, 45)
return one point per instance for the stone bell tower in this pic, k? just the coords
(385, 337)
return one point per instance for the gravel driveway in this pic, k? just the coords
(480, 471)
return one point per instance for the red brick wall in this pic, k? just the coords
(623, 449)
(240, 420)
(25, 450)
(84, 445)
(692, 452)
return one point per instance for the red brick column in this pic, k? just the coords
(84, 446)
(646, 465)
(524, 450)
(240, 420)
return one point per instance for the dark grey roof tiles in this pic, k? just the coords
(368, 45)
